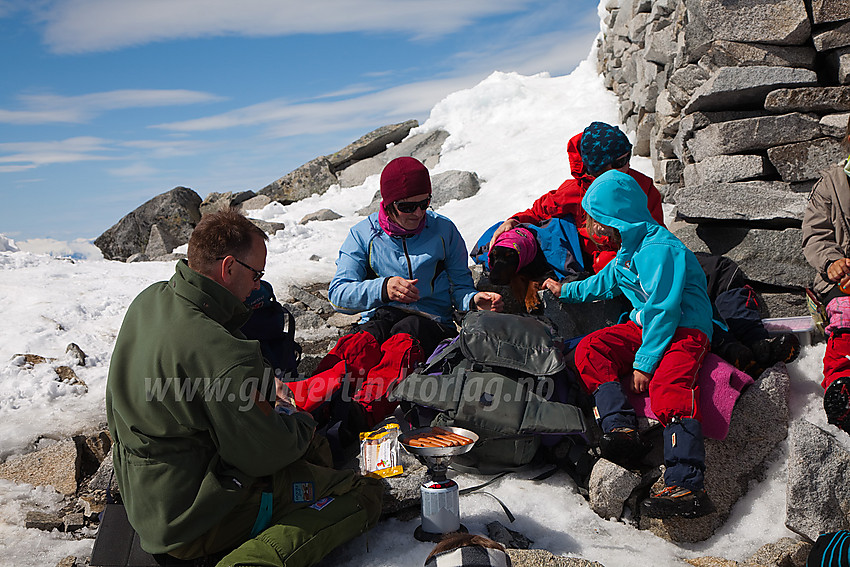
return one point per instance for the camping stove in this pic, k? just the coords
(440, 511)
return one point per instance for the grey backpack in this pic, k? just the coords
(500, 378)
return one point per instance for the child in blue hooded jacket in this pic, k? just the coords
(659, 349)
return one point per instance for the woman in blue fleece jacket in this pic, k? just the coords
(405, 268)
(659, 350)
(406, 261)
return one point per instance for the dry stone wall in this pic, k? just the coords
(740, 105)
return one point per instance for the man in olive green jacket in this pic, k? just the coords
(203, 461)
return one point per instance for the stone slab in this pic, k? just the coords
(741, 201)
(805, 160)
(749, 134)
(780, 22)
(726, 169)
(808, 99)
(736, 54)
(832, 37)
(56, 465)
(771, 257)
(835, 125)
(742, 87)
(824, 11)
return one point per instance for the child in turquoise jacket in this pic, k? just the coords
(660, 348)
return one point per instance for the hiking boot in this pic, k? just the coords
(836, 403)
(738, 355)
(779, 348)
(624, 446)
(677, 501)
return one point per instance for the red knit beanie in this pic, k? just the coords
(404, 177)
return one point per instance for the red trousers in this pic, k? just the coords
(608, 354)
(835, 363)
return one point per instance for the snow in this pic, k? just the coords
(510, 129)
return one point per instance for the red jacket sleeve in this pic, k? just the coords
(560, 202)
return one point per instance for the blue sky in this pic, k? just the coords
(107, 103)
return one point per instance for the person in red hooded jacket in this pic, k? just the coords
(587, 161)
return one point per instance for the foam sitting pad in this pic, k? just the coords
(720, 384)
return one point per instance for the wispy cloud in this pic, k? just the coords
(281, 118)
(15, 168)
(75, 26)
(52, 108)
(171, 148)
(26, 155)
(134, 170)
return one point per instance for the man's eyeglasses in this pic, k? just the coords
(258, 274)
(411, 206)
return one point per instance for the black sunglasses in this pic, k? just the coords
(258, 274)
(411, 206)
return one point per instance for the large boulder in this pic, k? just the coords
(453, 184)
(371, 144)
(756, 133)
(314, 177)
(759, 423)
(425, 147)
(742, 87)
(805, 160)
(772, 257)
(175, 212)
(220, 201)
(817, 493)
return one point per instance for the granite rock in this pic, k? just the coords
(741, 201)
(805, 160)
(771, 257)
(176, 211)
(742, 87)
(749, 134)
(808, 99)
(817, 497)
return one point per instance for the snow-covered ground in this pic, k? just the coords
(510, 129)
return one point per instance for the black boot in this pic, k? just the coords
(624, 446)
(779, 348)
(738, 355)
(677, 501)
(836, 403)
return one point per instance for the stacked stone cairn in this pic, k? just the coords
(740, 106)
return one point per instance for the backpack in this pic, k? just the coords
(274, 327)
(558, 240)
(499, 378)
